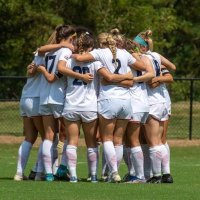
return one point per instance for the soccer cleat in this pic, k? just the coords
(49, 177)
(89, 178)
(154, 179)
(73, 179)
(126, 177)
(104, 177)
(32, 175)
(167, 178)
(19, 177)
(135, 179)
(40, 176)
(62, 173)
(94, 179)
(115, 178)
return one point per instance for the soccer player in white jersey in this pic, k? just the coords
(81, 107)
(29, 109)
(139, 115)
(52, 94)
(113, 101)
(162, 80)
(158, 111)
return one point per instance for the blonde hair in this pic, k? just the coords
(118, 37)
(52, 38)
(85, 41)
(146, 35)
(106, 40)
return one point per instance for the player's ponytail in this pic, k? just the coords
(63, 32)
(144, 39)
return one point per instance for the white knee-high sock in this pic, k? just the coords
(71, 152)
(105, 168)
(110, 156)
(23, 154)
(127, 160)
(40, 163)
(47, 156)
(167, 147)
(168, 151)
(119, 154)
(147, 162)
(138, 161)
(93, 157)
(165, 160)
(156, 158)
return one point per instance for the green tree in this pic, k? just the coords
(25, 25)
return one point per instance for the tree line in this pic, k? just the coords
(27, 24)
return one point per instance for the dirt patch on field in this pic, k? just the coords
(7, 139)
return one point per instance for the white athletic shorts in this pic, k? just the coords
(51, 109)
(29, 106)
(159, 111)
(115, 108)
(140, 117)
(84, 116)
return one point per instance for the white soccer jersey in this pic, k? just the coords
(32, 86)
(156, 95)
(81, 96)
(120, 67)
(139, 96)
(54, 93)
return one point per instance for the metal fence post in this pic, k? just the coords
(191, 108)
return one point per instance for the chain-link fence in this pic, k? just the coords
(184, 121)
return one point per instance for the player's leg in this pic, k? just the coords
(153, 134)
(119, 132)
(145, 149)
(30, 133)
(90, 131)
(72, 130)
(38, 169)
(106, 128)
(136, 154)
(50, 127)
(166, 177)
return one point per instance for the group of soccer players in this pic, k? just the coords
(115, 90)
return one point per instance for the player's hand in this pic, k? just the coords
(154, 82)
(31, 68)
(40, 68)
(129, 75)
(31, 65)
(87, 77)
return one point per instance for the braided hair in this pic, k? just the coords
(85, 41)
(106, 40)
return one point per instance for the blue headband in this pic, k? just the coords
(140, 41)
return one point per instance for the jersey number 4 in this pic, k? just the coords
(80, 70)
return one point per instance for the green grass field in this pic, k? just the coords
(185, 168)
